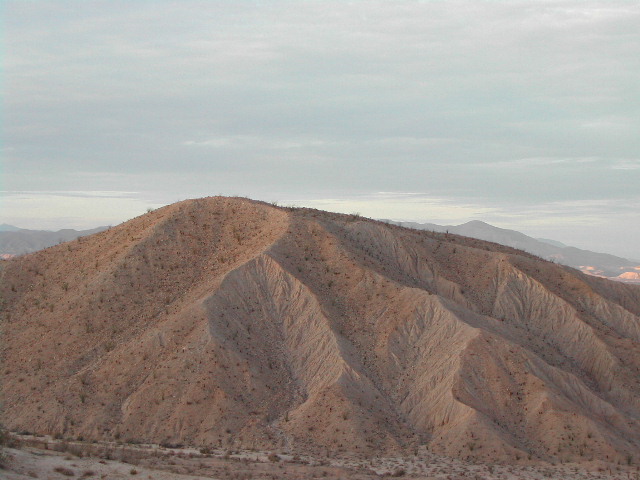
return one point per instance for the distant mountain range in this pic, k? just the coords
(593, 263)
(8, 228)
(18, 241)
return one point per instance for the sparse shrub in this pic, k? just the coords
(6, 440)
(77, 450)
(62, 446)
(398, 472)
(171, 445)
(64, 471)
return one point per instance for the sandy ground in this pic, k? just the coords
(112, 461)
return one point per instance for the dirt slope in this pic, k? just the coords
(226, 321)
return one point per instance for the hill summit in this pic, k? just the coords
(230, 322)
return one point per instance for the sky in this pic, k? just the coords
(523, 114)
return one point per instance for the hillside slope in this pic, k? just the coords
(593, 263)
(225, 321)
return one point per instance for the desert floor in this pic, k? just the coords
(46, 458)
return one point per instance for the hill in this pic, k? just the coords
(234, 323)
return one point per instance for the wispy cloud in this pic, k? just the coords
(539, 162)
(252, 141)
(401, 206)
(69, 193)
(493, 105)
(627, 164)
(70, 209)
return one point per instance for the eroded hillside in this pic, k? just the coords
(226, 321)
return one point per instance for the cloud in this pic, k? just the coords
(491, 104)
(70, 194)
(252, 142)
(629, 164)
(538, 162)
(71, 209)
(417, 206)
(400, 206)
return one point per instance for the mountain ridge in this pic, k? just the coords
(232, 322)
(5, 227)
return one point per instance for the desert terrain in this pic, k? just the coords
(45, 457)
(232, 325)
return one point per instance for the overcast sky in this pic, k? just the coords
(524, 114)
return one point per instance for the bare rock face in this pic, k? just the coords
(236, 323)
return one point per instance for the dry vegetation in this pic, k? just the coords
(230, 324)
(44, 457)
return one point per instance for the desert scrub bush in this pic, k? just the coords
(62, 446)
(6, 440)
(168, 444)
(64, 471)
